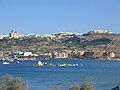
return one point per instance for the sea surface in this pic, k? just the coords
(105, 74)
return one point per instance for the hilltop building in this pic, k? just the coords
(100, 32)
(3, 36)
(14, 34)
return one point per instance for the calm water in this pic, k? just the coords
(105, 74)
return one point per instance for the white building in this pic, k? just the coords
(14, 34)
(26, 54)
(3, 36)
(100, 32)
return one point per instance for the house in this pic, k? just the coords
(98, 54)
(81, 54)
(20, 54)
(109, 55)
(26, 54)
(62, 54)
(88, 54)
(14, 34)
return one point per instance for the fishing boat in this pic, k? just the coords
(18, 62)
(63, 65)
(6, 63)
(38, 64)
(67, 65)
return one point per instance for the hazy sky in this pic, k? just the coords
(51, 16)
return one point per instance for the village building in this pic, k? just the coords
(100, 32)
(1, 54)
(20, 54)
(14, 34)
(98, 54)
(61, 54)
(111, 55)
(81, 54)
(88, 55)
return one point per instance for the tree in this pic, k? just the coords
(9, 83)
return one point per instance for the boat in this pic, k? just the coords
(38, 64)
(63, 65)
(6, 63)
(18, 62)
(67, 65)
(11, 60)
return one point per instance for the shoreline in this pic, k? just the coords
(35, 59)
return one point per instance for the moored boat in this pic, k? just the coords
(38, 64)
(63, 65)
(6, 63)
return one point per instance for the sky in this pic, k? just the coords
(53, 16)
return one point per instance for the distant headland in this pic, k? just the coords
(95, 44)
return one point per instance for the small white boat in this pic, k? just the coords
(67, 65)
(39, 64)
(18, 62)
(11, 60)
(3, 59)
(6, 63)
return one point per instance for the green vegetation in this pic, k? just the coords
(38, 45)
(56, 88)
(87, 85)
(9, 83)
(101, 41)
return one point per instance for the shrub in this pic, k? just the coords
(56, 88)
(87, 85)
(10, 83)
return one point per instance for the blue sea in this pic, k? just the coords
(105, 74)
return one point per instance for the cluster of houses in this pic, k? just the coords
(100, 32)
(14, 34)
(20, 54)
(82, 54)
(98, 54)
(67, 54)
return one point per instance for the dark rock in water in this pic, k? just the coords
(115, 88)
